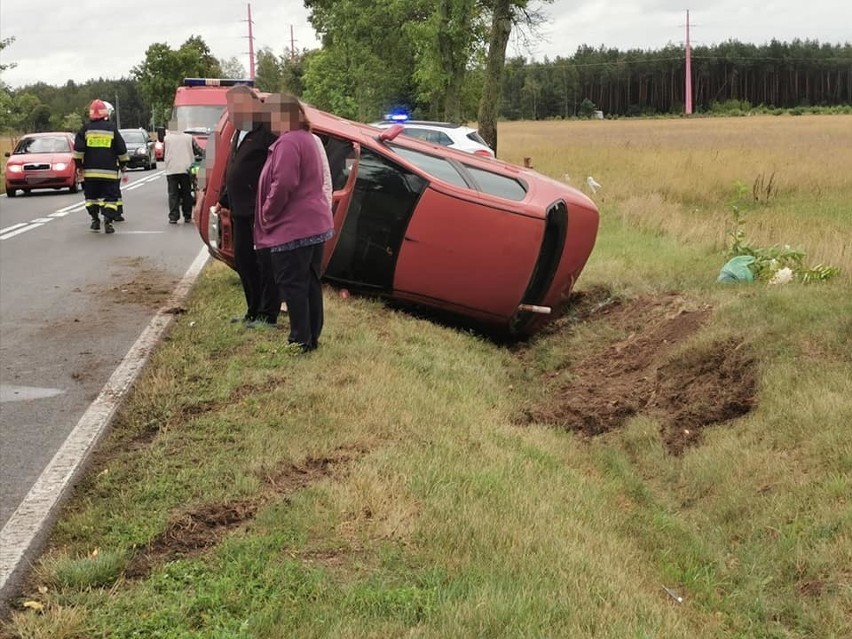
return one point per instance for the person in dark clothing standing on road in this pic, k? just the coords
(100, 154)
(249, 146)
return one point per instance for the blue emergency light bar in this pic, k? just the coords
(215, 82)
(397, 117)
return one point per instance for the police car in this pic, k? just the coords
(454, 136)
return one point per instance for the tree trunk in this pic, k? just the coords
(489, 104)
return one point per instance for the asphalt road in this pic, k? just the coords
(72, 303)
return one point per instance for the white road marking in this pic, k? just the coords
(22, 393)
(13, 227)
(68, 208)
(21, 537)
(28, 227)
(22, 227)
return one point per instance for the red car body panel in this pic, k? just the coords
(455, 247)
(38, 170)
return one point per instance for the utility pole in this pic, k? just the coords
(688, 87)
(117, 113)
(251, 44)
(292, 44)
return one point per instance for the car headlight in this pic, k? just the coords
(59, 166)
(15, 168)
(141, 151)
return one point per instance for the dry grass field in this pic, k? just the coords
(671, 459)
(678, 176)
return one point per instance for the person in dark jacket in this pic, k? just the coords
(100, 155)
(249, 146)
(293, 217)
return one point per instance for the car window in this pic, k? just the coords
(429, 135)
(433, 165)
(134, 137)
(58, 144)
(383, 202)
(474, 135)
(499, 185)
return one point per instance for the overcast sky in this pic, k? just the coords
(57, 41)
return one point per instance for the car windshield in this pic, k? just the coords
(45, 144)
(134, 137)
(198, 117)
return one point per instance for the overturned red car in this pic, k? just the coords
(420, 223)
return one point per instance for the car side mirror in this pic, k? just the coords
(161, 133)
(391, 132)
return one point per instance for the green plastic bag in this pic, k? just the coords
(737, 270)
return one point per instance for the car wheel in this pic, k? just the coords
(11, 192)
(75, 186)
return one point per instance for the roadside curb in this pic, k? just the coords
(24, 535)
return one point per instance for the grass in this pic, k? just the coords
(386, 485)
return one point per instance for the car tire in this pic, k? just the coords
(11, 192)
(75, 186)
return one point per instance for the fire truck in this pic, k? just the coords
(199, 103)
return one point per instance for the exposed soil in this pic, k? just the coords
(191, 532)
(649, 371)
(138, 281)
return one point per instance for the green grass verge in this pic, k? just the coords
(384, 485)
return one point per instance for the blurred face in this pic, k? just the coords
(283, 113)
(243, 111)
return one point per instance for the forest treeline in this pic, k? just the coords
(644, 82)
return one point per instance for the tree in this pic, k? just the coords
(163, 69)
(268, 72)
(5, 42)
(232, 68)
(370, 47)
(72, 122)
(489, 104)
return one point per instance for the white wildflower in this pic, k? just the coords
(782, 276)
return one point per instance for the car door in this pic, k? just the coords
(343, 159)
(383, 198)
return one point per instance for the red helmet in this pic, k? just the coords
(98, 110)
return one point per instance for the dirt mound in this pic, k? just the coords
(646, 372)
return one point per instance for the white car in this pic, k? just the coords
(454, 136)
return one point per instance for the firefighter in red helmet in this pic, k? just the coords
(101, 155)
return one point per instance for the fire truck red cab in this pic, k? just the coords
(199, 103)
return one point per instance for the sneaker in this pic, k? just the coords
(171, 221)
(95, 225)
(187, 220)
(108, 227)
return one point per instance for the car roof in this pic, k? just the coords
(44, 134)
(423, 123)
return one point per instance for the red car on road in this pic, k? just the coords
(41, 161)
(481, 239)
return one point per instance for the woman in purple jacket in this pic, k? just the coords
(293, 217)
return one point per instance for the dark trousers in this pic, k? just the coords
(297, 273)
(180, 196)
(263, 302)
(102, 196)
